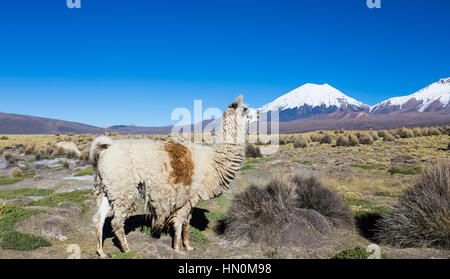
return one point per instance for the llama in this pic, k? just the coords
(172, 177)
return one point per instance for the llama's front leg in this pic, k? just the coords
(177, 237)
(99, 221)
(186, 235)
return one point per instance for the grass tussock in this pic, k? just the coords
(252, 151)
(422, 216)
(7, 155)
(353, 140)
(365, 138)
(300, 142)
(284, 211)
(15, 172)
(326, 139)
(341, 141)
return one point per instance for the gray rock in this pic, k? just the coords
(70, 210)
(55, 227)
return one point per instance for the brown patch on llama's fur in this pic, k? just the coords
(181, 163)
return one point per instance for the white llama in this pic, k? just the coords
(172, 177)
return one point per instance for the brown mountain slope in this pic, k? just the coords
(23, 124)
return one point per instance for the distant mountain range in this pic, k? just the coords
(307, 108)
(312, 100)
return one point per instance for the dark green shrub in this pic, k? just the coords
(355, 253)
(22, 241)
(411, 171)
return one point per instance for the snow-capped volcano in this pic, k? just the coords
(311, 99)
(431, 98)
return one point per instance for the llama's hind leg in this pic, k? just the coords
(178, 224)
(186, 235)
(99, 221)
(121, 212)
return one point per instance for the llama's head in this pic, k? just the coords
(234, 121)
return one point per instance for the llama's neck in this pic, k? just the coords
(228, 159)
(229, 149)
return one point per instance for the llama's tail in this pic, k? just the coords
(98, 145)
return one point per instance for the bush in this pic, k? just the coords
(421, 217)
(425, 131)
(84, 156)
(66, 164)
(252, 151)
(326, 139)
(374, 136)
(417, 132)
(382, 133)
(315, 138)
(57, 134)
(261, 214)
(4, 138)
(312, 194)
(7, 155)
(356, 253)
(29, 149)
(15, 172)
(365, 139)
(389, 137)
(406, 133)
(22, 241)
(285, 211)
(434, 132)
(411, 171)
(300, 142)
(341, 141)
(353, 140)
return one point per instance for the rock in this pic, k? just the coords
(38, 178)
(306, 229)
(70, 210)
(55, 227)
(90, 203)
(33, 224)
(50, 227)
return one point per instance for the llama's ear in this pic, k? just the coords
(237, 102)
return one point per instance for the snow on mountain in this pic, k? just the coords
(430, 98)
(312, 95)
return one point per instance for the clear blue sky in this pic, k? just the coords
(134, 61)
